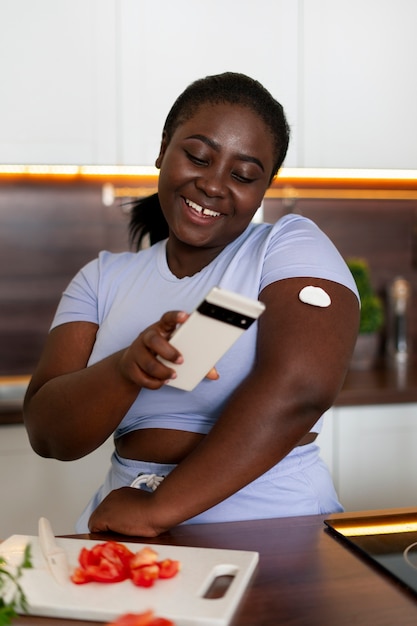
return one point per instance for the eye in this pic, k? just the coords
(195, 159)
(241, 178)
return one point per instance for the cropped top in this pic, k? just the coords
(123, 293)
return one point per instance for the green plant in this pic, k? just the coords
(372, 308)
(12, 596)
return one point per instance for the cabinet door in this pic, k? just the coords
(32, 487)
(57, 62)
(325, 440)
(359, 92)
(374, 457)
(166, 45)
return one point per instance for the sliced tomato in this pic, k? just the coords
(84, 557)
(145, 576)
(168, 568)
(105, 572)
(105, 562)
(80, 576)
(135, 619)
(112, 562)
(145, 556)
(113, 550)
(141, 619)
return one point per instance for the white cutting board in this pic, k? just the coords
(180, 599)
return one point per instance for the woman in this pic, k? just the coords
(241, 444)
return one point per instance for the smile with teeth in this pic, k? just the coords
(201, 209)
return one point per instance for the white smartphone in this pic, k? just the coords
(209, 332)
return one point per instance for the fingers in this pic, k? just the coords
(123, 511)
(140, 363)
(213, 374)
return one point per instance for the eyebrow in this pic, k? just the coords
(213, 144)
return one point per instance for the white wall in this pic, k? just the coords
(91, 81)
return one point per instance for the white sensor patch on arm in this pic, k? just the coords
(316, 296)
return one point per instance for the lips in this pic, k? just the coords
(201, 210)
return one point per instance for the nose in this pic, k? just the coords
(212, 182)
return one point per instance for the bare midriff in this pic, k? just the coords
(157, 445)
(163, 445)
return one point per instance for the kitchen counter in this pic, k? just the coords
(305, 576)
(12, 391)
(384, 384)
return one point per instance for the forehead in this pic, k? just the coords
(213, 112)
(227, 122)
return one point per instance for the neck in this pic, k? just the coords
(184, 260)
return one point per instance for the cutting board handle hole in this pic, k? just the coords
(218, 587)
(219, 582)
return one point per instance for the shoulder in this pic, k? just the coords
(295, 225)
(108, 264)
(297, 247)
(287, 225)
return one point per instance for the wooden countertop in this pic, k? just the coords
(384, 384)
(305, 576)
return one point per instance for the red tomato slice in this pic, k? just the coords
(134, 619)
(168, 568)
(80, 576)
(117, 551)
(145, 576)
(106, 562)
(145, 556)
(84, 558)
(105, 572)
(141, 619)
(112, 562)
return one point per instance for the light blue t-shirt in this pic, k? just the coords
(126, 292)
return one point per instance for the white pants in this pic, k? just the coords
(299, 485)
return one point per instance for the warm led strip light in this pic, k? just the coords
(348, 174)
(79, 170)
(379, 529)
(145, 170)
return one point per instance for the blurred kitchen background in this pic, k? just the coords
(85, 89)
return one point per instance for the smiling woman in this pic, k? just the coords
(241, 444)
(220, 173)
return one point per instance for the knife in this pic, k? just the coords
(54, 555)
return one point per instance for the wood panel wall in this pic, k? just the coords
(48, 231)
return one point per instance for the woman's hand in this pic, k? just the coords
(139, 363)
(124, 511)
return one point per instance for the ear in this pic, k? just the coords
(162, 149)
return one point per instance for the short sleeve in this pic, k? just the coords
(298, 248)
(79, 301)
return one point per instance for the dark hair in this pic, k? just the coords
(230, 88)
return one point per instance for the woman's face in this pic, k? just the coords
(214, 172)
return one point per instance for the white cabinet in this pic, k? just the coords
(32, 487)
(371, 452)
(359, 97)
(166, 45)
(91, 81)
(58, 77)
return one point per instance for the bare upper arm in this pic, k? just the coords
(308, 345)
(67, 349)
